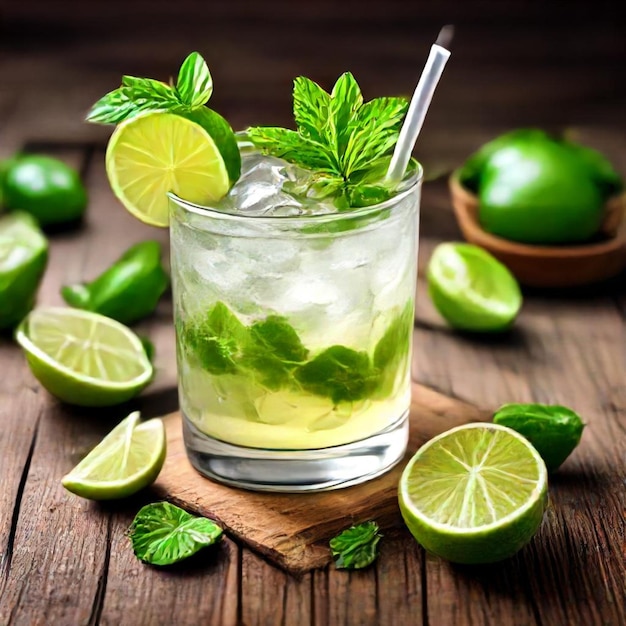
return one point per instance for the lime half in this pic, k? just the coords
(156, 152)
(471, 289)
(128, 459)
(474, 494)
(82, 357)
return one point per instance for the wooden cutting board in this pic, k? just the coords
(292, 530)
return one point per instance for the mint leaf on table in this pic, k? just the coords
(347, 142)
(356, 547)
(217, 340)
(273, 351)
(163, 534)
(192, 90)
(340, 373)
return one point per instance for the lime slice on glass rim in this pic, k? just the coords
(474, 494)
(128, 459)
(82, 357)
(155, 153)
(471, 289)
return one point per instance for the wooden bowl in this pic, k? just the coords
(548, 266)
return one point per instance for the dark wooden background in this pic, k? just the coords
(558, 65)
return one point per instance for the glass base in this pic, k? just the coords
(297, 470)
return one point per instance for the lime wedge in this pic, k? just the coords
(128, 459)
(474, 494)
(82, 357)
(471, 289)
(156, 152)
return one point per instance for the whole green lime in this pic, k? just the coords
(539, 193)
(47, 188)
(539, 189)
(553, 430)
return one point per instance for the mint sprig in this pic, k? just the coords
(346, 142)
(193, 89)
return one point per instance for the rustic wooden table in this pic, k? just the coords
(65, 561)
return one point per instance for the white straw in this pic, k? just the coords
(417, 111)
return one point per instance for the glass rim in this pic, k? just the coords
(205, 211)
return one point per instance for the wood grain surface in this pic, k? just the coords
(65, 561)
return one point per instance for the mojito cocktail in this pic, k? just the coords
(293, 256)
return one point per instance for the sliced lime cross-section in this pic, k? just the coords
(474, 494)
(154, 153)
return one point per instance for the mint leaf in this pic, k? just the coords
(310, 107)
(112, 108)
(346, 100)
(374, 134)
(274, 351)
(294, 148)
(150, 91)
(194, 85)
(394, 345)
(135, 96)
(356, 547)
(340, 373)
(217, 340)
(162, 534)
(393, 348)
